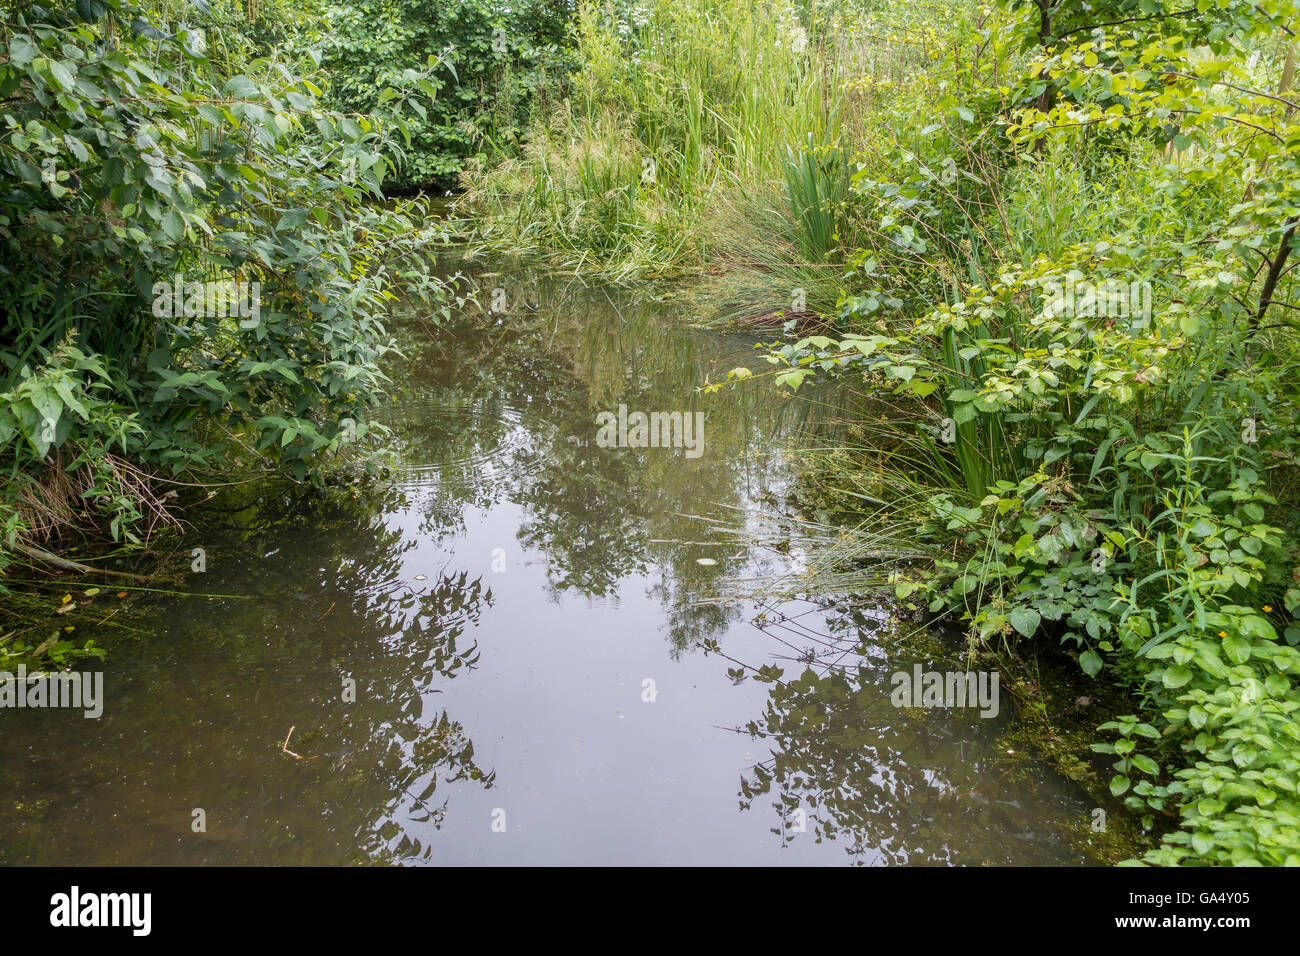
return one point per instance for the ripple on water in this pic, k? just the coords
(441, 438)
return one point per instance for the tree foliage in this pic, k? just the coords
(136, 161)
(497, 59)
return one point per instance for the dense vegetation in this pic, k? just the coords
(499, 62)
(1056, 239)
(193, 276)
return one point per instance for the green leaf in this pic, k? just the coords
(1091, 663)
(21, 50)
(793, 378)
(1025, 620)
(1145, 764)
(173, 225)
(63, 76)
(1237, 649)
(1255, 626)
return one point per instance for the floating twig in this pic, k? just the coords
(284, 748)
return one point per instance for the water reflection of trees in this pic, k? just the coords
(518, 426)
(382, 756)
(597, 515)
(336, 599)
(891, 785)
(332, 602)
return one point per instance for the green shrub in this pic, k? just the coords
(135, 165)
(498, 61)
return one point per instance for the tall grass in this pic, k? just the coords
(679, 109)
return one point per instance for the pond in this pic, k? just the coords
(526, 647)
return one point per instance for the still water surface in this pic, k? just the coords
(542, 673)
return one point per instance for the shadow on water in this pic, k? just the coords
(508, 652)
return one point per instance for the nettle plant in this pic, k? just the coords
(1051, 423)
(132, 162)
(1216, 88)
